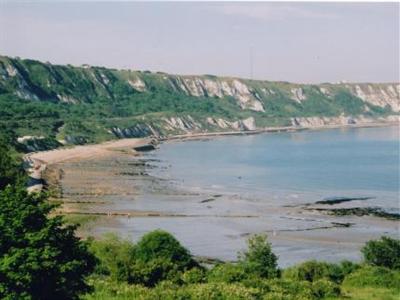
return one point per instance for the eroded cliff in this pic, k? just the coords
(93, 101)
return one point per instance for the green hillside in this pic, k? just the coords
(91, 104)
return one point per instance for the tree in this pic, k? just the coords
(160, 244)
(115, 255)
(10, 172)
(40, 257)
(228, 273)
(159, 256)
(259, 258)
(384, 252)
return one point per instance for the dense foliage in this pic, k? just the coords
(40, 256)
(259, 258)
(254, 276)
(157, 256)
(384, 252)
(9, 167)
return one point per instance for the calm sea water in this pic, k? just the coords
(291, 167)
(213, 187)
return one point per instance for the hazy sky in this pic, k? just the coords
(300, 42)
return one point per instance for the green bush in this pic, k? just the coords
(384, 252)
(160, 244)
(156, 257)
(154, 271)
(106, 290)
(116, 256)
(289, 290)
(227, 273)
(314, 270)
(209, 291)
(259, 259)
(195, 275)
(10, 172)
(322, 288)
(371, 276)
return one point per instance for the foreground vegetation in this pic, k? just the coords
(168, 273)
(41, 258)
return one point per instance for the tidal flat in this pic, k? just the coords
(131, 194)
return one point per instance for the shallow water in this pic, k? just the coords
(218, 192)
(291, 167)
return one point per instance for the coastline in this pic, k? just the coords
(106, 187)
(91, 150)
(277, 129)
(43, 170)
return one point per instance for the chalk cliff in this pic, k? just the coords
(100, 101)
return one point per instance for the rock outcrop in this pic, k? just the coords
(314, 122)
(382, 95)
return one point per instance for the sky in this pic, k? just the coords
(297, 42)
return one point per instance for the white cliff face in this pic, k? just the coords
(298, 94)
(267, 91)
(321, 121)
(245, 124)
(379, 95)
(104, 78)
(186, 124)
(325, 91)
(23, 91)
(249, 124)
(204, 87)
(25, 138)
(11, 71)
(137, 84)
(219, 122)
(313, 122)
(67, 99)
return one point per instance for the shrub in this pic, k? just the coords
(384, 252)
(373, 277)
(10, 172)
(227, 273)
(324, 288)
(154, 271)
(288, 289)
(115, 257)
(308, 271)
(106, 290)
(195, 275)
(215, 291)
(259, 258)
(314, 270)
(159, 244)
(348, 267)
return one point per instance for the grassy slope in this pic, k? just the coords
(100, 99)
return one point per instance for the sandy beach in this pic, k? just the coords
(86, 151)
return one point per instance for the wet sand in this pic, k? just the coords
(112, 182)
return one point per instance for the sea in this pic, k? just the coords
(213, 194)
(290, 167)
